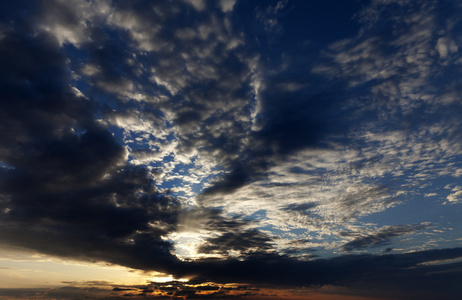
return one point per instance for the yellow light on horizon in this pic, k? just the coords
(161, 278)
(22, 268)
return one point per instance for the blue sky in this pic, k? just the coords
(232, 142)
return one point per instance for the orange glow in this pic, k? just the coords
(178, 290)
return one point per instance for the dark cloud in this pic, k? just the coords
(289, 123)
(292, 121)
(415, 275)
(67, 189)
(408, 273)
(118, 289)
(301, 208)
(381, 237)
(296, 113)
(231, 236)
(243, 241)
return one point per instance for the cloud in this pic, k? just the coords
(302, 120)
(301, 208)
(68, 21)
(412, 275)
(269, 16)
(241, 242)
(368, 128)
(405, 271)
(67, 174)
(127, 126)
(198, 4)
(381, 237)
(227, 5)
(445, 46)
(456, 196)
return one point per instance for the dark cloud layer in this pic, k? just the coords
(417, 275)
(410, 274)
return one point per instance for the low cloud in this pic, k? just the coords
(381, 237)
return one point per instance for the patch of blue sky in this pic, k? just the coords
(118, 133)
(293, 234)
(182, 168)
(424, 239)
(323, 18)
(6, 166)
(256, 216)
(168, 158)
(181, 178)
(177, 177)
(171, 184)
(301, 232)
(272, 230)
(416, 210)
(135, 142)
(198, 188)
(77, 58)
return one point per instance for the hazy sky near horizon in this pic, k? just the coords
(251, 149)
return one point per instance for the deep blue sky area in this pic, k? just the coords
(200, 149)
(320, 22)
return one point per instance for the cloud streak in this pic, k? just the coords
(381, 237)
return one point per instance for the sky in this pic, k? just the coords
(231, 149)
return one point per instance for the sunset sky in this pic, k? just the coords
(231, 149)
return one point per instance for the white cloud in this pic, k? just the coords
(446, 46)
(227, 5)
(200, 5)
(74, 29)
(455, 197)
